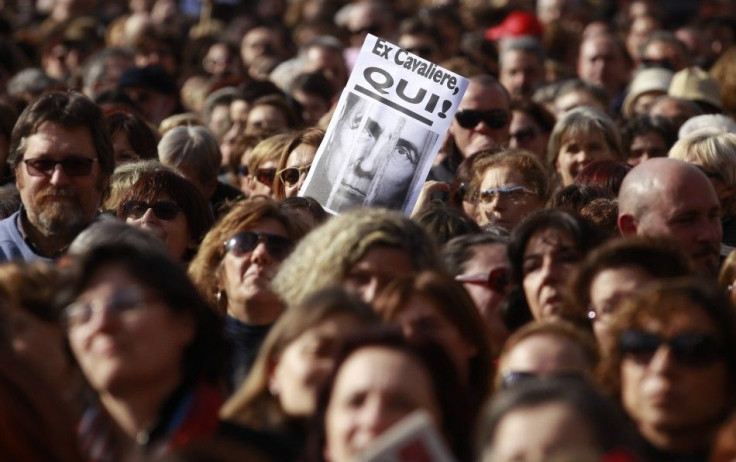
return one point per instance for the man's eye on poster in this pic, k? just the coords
(388, 126)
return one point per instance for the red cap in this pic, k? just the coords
(516, 24)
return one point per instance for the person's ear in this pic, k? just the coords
(627, 224)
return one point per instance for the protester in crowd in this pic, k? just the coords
(482, 122)
(172, 208)
(33, 328)
(261, 165)
(673, 366)
(615, 271)
(143, 337)
(279, 397)
(443, 223)
(582, 136)
(433, 304)
(521, 65)
(307, 209)
(271, 113)
(68, 131)
(295, 162)
(543, 251)
(553, 419)
(603, 61)
(546, 349)
(676, 110)
(531, 125)
(715, 155)
(363, 250)
(644, 137)
(668, 197)
(511, 185)
(646, 86)
(153, 89)
(574, 93)
(194, 152)
(378, 379)
(480, 262)
(132, 137)
(234, 267)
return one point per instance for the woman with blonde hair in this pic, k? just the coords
(362, 249)
(234, 267)
(261, 165)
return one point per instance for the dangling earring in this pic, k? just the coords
(220, 296)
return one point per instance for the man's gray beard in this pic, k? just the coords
(60, 220)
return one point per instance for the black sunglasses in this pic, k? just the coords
(266, 175)
(495, 118)
(290, 176)
(246, 241)
(690, 349)
(497, 279)
(72, 166)
(164, 210)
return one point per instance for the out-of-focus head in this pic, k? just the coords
(193, 151)
(362, 249)
(673, 364)
(551, 418)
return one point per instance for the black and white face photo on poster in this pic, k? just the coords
(373, 156)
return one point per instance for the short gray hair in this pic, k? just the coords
(194, 148)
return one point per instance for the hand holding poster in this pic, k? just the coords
(388, 126)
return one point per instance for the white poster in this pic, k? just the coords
(388, 126)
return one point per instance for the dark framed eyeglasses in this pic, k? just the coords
(72, 165)
(497, 279)
(494, 118)
(688, 349)
(163, 210)
(246, 241)
(266, 176)
(290, 176)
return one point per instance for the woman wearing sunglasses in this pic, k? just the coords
(295, 161)
(258, 169)
(172, 208)
(673, 366)
(234, 267)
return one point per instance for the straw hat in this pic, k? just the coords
(696, 85)
(653, 79)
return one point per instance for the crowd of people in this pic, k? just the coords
(564, 289)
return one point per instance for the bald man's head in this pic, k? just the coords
(668, 197)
